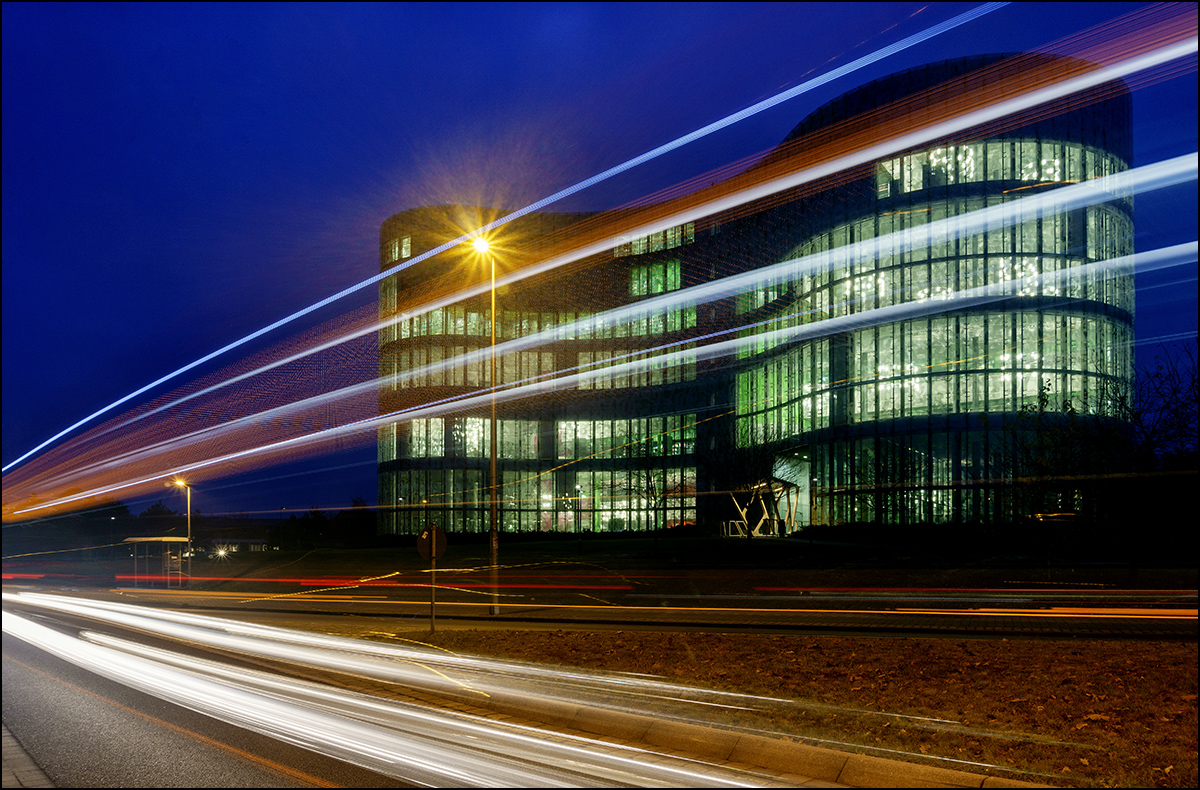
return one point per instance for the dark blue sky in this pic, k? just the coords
(178, 175)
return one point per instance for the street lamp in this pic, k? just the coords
(481, 246)
(184, 485)
(578, 507)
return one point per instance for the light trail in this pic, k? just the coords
(1121, 69)
(592, 181)
(989, 114)
(1161, 175)
(1155, 57)
(363, 729)
(378, 734)
(1173, 256)
(404, 741)
(1135, 181)
(1087, 613)
(424, 667)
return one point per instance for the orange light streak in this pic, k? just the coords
(125, 448)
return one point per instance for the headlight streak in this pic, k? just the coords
(1121, 68)
(869, 154)
(1157, 57)
(374, 661)
(405, 741)
(390, 713)
(528, 743)
(1147, 261)
(1148, 177)
(692, 136)
(378, 659)
(882, 150)
(340, 739)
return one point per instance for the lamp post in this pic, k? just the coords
(578, 507)
(481, 246)
(188, 488)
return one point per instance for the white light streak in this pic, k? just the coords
(741, 115)
(881, 150)
(402, 740)
(1159, 175)
(381, 721)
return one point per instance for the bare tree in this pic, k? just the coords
(1091, 457)
(1161, 411)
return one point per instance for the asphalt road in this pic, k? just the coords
(119, 737)
(87, 731)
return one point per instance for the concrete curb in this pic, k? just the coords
(712, 743)
(829, 765)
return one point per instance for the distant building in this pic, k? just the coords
(894, 422)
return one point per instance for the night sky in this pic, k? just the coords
(178, 175)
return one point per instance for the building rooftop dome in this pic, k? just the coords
(1102, 120)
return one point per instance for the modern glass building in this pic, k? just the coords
(883, 421)
(612, 453)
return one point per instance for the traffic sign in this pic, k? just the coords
(431, 543)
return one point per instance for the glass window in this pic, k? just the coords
(1052, 162)
(476, 325)
(941, 395)
(427, 438)
(970, 163)
(1030, 168)
(657, 278)
(674, 279)
(942, 168)
(1074, 162)
(998, 161)
(914, 172)
(566, 439)
(478, 437)
(971, 392)
(884, 178)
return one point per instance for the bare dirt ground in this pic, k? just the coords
(1079, 713)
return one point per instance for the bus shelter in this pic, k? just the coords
(169, 563)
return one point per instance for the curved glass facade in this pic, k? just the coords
(915, 418)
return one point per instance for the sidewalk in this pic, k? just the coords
(19, 768)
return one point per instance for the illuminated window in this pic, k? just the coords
(663, 240)
(426, 438)
(655, 278)
(397, 249)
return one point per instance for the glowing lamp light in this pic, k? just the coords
(481, 244)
